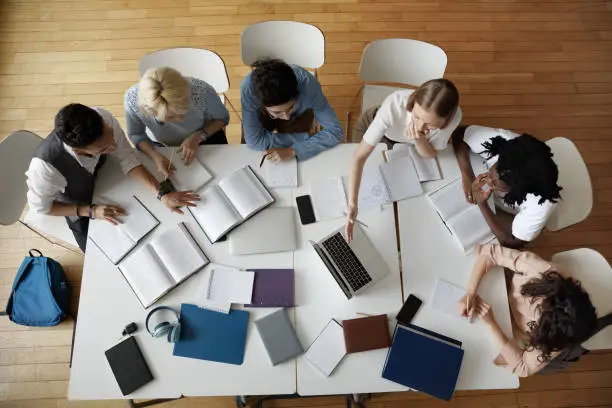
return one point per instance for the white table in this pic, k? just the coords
(319, 298)
(107, 304)
(429, 252)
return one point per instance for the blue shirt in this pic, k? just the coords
(310, 97)
(205, 106)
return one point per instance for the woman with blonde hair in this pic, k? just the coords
(166, 108)
(425, 118)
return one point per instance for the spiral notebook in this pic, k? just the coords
(223, 286)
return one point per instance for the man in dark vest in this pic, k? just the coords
(62, 173)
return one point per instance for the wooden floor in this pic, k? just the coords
(543, 67)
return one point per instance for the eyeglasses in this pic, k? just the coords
(285, 112)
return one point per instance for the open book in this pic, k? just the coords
(228, 204)
(427, 168)
(464, 220)
(116, 241)
(163, 263)
(192, 177)
(382, 184)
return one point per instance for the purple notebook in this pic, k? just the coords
(272, 288)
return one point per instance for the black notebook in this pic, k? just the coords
(129, 366)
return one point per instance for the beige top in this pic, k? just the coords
(526, 266)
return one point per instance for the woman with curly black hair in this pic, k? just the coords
(522, 177)
(550, 311)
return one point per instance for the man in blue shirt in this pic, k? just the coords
(285, 113)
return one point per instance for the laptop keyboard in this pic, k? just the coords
(347, 262)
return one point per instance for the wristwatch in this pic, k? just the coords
(165, 187)
(203, 136)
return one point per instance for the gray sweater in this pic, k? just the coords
(205, 106)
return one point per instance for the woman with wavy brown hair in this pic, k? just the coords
(550, 310)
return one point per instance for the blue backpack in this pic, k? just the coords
(40, 294)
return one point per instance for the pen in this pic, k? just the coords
(264, 157)
(363, 224)
(262, 160)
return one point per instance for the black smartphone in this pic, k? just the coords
(305, 209)
(409, 310)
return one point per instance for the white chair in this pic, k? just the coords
(594, 273)
(294, 42)
(16, 152)
(396, 60)
(577, 194)
(192, 62)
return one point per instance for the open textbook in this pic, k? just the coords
(427, 168)
(382, 184)
(116, 241)
(464, 220)
(234, 199)
(163, 263)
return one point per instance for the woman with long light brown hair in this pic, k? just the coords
(425, 118)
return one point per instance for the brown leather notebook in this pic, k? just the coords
(366, 333)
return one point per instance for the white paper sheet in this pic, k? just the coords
(372, 190)
(189, 177)
(328, 198)
(328, 349)
(282, 174)
(446, 296)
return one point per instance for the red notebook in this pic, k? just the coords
(367, 333)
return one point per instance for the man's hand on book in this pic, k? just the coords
(177, 199)
(110, 213)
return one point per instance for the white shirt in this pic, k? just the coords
(392, 118)
(46, 183)
(530, 216)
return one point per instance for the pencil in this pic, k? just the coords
(170, 163)
(363, 224)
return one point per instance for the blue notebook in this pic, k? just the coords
(212, 336)
(424, 361)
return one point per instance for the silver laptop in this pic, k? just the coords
(355, 266)
(272, 230)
